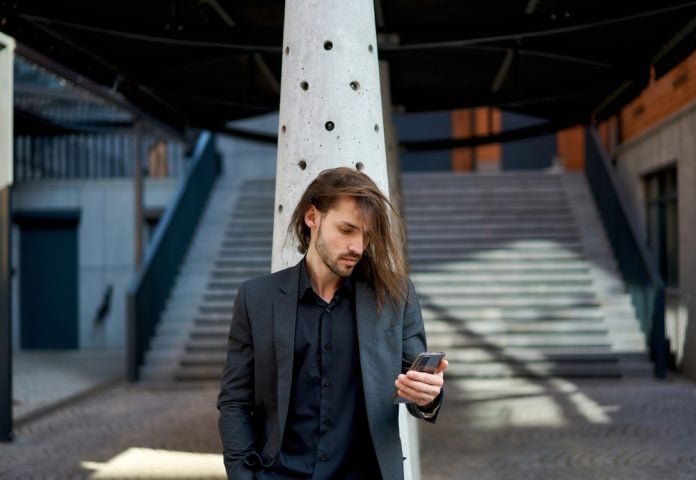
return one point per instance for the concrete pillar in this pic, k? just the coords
(330, 105)
(391, 141)
(7, 46)
(330, 113)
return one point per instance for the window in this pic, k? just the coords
(662, 221)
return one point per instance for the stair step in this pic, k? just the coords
(207, 344)
(439, 277)
(199, 373)
(537, 370)
(459, 239)
(544, 343)
(488, 327)
(565, 355)
(455, 289)
(423, 253)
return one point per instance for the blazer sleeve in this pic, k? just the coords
(414, 342)
(236, 398)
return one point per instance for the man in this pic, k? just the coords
(317, 351)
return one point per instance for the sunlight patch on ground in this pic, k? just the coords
(147, 463)
(520, 403)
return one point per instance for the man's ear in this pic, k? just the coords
(311, 216)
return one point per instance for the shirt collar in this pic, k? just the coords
(347, 285)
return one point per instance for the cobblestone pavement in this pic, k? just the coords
(594, 430)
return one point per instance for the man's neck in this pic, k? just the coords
(324, 281)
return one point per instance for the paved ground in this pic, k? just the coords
(42, 380)
(594, 430)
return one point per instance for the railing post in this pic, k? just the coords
(138, 193)
(659, 346)
(637, 265)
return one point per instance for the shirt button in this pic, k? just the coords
(323, 458)
(327, 346)
(327, 384)
(327, 421)
(328, 309)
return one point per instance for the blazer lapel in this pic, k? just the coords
(367, 325)
(284, 318)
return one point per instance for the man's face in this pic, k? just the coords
(340, 236)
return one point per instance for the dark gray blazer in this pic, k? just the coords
(255, 390)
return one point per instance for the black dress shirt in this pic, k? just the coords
(326, 435)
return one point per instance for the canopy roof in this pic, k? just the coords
(204, 63)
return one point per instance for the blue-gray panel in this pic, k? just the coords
(424, 126)
(529, 154)
(426, 161)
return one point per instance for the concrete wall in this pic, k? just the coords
(247, 159)
(105, 243)
(673, 140)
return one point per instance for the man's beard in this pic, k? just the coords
(333, 265)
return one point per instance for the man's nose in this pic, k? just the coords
(356, 245)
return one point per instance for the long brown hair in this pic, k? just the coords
(383, 265)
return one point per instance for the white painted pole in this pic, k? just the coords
(330, 115)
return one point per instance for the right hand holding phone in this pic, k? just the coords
(421, 387)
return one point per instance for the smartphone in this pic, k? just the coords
(425, 362)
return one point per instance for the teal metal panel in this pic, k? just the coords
(48, 286)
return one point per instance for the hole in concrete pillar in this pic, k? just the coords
(287, 50)
(376, 128)
(282, 129)
(369, 48)
(304, 85)
(302, 164)
(328, 45)
(329, 125)
(359, 166)
(280, 208)
(355, 85)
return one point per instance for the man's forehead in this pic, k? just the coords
(347, 210)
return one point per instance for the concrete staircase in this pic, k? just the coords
(514, 273)
(232, 244)
(517, 279)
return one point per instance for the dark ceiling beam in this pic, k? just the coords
(249, 135)
(524, 35)
(438, 144)
(29, 123)
(447, 99)
(240, 40)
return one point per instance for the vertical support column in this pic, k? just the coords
(408, 425)
(330, 106)
(7, 46)
(392, 145)
(330, 112)
(138, 194)
(5, 318)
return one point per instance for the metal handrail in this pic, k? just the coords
(152, 284)
(636, 263)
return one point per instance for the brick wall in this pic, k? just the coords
(662, 98)
(479, 122)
